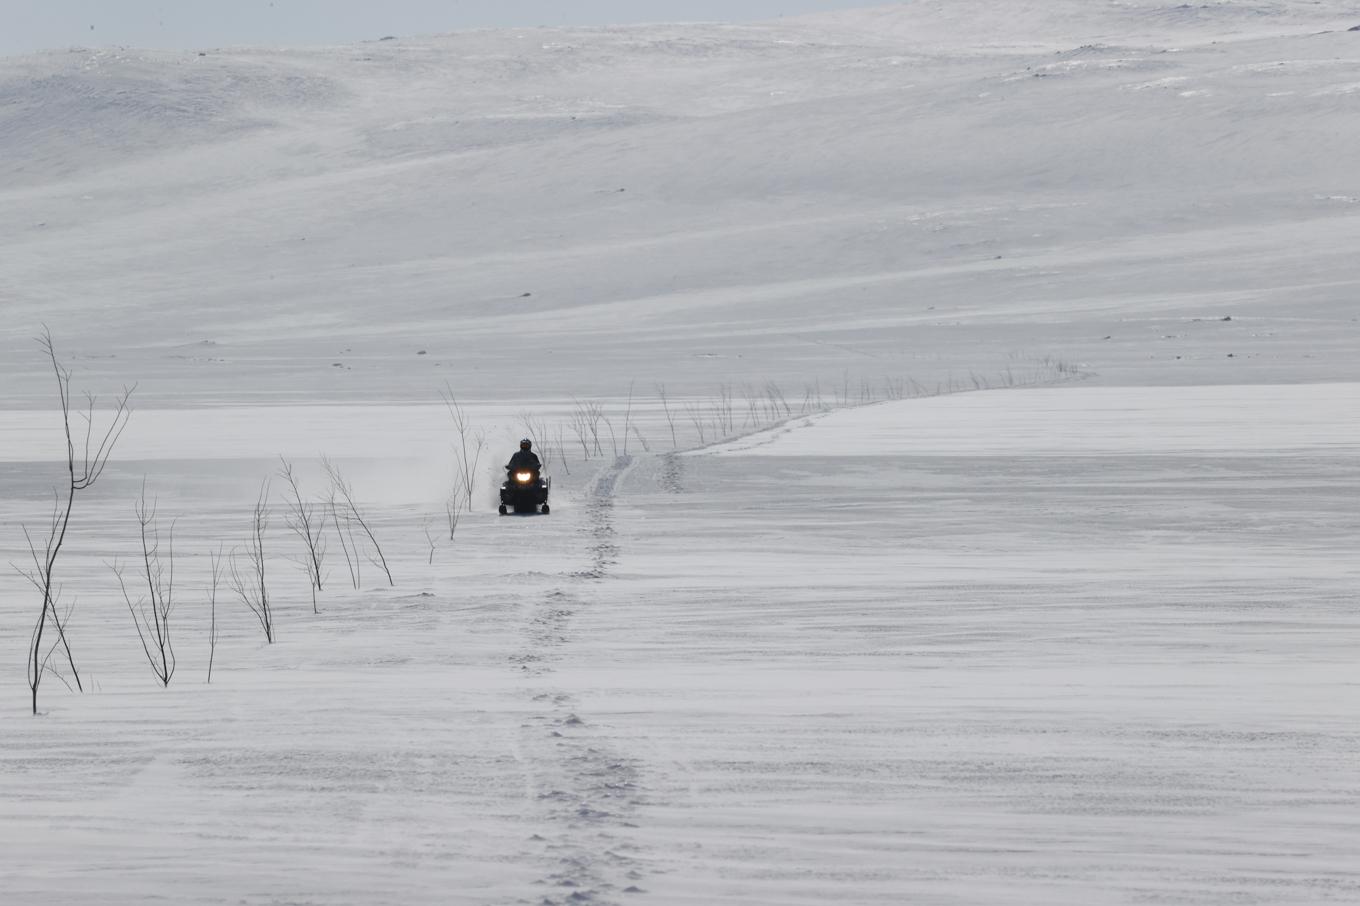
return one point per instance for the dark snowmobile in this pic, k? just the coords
(524, 491)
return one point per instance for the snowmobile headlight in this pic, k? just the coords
(524, 477)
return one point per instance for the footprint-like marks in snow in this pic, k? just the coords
(588, 796)
(672, 474)
(604, 551)
(587, 793)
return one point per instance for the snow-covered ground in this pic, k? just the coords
(994, 541)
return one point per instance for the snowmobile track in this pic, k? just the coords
(600, 518)
(585, 792)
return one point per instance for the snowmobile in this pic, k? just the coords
(525, 491)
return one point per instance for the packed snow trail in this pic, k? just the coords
(587, 792)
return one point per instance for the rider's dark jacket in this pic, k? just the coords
(524, 459)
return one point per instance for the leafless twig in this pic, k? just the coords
(301, 518)
(670, 420)
(247, 567)
(343, 493)
(216, 560)
(467, 453)
(453, 510)
(86, 460)
(151, 614)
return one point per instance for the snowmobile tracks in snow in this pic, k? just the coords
(672, 474)
(600, 518)
(587, 796)
(584, 792)
(545, 631)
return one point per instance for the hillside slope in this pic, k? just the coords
(908, 190)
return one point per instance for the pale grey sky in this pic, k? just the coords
(30, 25)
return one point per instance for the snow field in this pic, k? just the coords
(1090, 642)
(944, 671)
(889, 193)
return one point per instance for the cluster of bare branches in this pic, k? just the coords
(591, 424)
(560, 440)
(86, 460)
(600, 430)
(348, 517)
(536, 429)
(344, 531)
(151, 612)
(302, 520)
(764, 405)
(549, 440)
(722, 410)
(467, 453)
(453, 511)
(666, 408)
(150, 596)
(698, 417)
(149, 590)
(247, 567)
(714, 418)
(812, 399)
(585, 422)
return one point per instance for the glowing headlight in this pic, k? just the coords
(524, 477)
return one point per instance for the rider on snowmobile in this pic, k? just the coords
(525, 490)
(525, 458)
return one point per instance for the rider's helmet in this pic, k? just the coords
(525, 444)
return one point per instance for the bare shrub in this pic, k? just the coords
(537, 430)
(812, 399)
(151, 612)
(301, 518)
(453, 511)
(429, 539)
(779, 405)
(343, 495)
(559, 435)
(344, 530)
(670, 420)
(585, 423)
(85, 463)
(467, 452)
(697, 417)
(723, 410)
(753, 401)
(247, 567)
(627, 416)
(215, 559)
(613, 438)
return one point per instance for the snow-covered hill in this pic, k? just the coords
(969, 642)
(905, 190)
